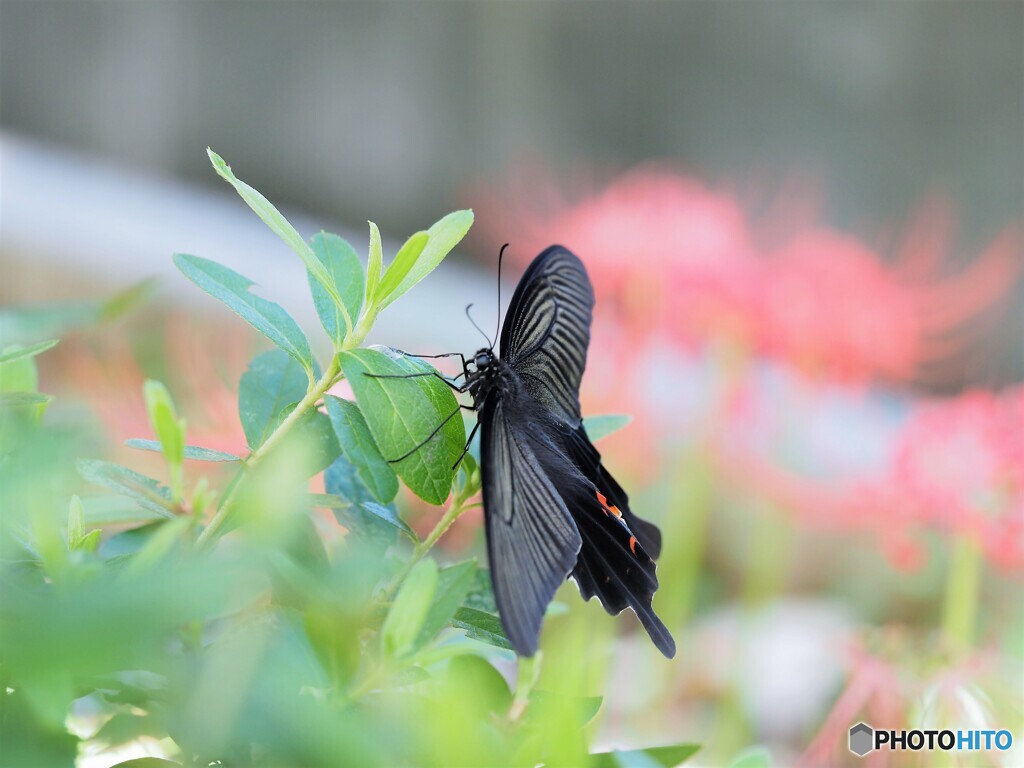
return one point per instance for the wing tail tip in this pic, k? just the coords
(657, 631)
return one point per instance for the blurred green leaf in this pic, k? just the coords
(232, 289)
(128, 726)
(16, 352)
(165, 422)
(442, 237)
(756, 757)
(19, 373)
(366, 520)
(658, 757)
(601, 426)
(192, 452)
(358, 447)
(453, 584)
(272, 382)
(410, 609)
(146, 762)
(402, 413)
(481, 626)
(375, 263)
(400, 267)
(145, 491)
(346, 272)
(116, 510)
(473, 678)
(29, 324)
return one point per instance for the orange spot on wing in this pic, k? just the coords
(632, 544)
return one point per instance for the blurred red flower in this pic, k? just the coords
(667, 252)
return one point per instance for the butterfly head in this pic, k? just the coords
(483, 359)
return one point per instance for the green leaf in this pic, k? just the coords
(400, 266)
(116, 510)
(272, 383)
(453, 584)
(374, 264)
(232, 289)
(756, 757)
(390, 516)
(659, 757)
(278, 223)
(602, 426)
(145, 491)
(402, 413)
(346, 271)
(32, 323)
(169, 428)
(76, 521)
(474, 678)
(19, 374)
(410, 608)
(147, 762)
(358, 447)
(481, 626)
(315, 431)
(373, 524)
(442, 237)
(16, 352)
(192, 452)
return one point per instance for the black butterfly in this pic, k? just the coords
(551, 509)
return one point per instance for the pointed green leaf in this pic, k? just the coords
(604, 425)
(76, 521)
(409, 610)
(169, 428)
(373, 524)
(232, 289)
(442, 237)
(145, 491)
(405, 417)
(278, 223)
(374, 264)
(346, 272)
(359, 448)
(191, 452)
(453, 584)
(390, 516)
(400, 267)
(16, 352)
(32, 323)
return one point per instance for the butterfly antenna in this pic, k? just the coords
(498, 328)
(490, 344)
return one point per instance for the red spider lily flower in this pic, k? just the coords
(665, 251)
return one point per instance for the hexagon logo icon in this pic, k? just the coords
(862, 739)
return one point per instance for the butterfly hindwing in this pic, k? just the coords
(547, 331)
(532, 541)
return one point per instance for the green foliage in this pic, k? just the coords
(281, 649)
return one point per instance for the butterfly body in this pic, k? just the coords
(551, 509)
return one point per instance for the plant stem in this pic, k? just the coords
(450, 516)
(213, 529)
(962, 588)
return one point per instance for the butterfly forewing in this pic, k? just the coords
(547, 331)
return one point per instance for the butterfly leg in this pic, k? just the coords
(432, 357)
(429, 437)
(472, 434)
(450, 382)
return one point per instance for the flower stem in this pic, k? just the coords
(213, 530)
(962, 588)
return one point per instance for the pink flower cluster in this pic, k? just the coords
(669, 253)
